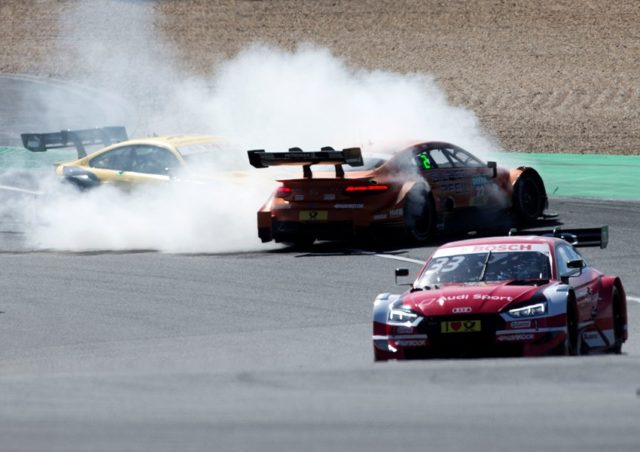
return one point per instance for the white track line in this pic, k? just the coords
(403, 259)
(21, 190)
(636, 299)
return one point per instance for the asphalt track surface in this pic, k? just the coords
(271, 350)
(37, 104)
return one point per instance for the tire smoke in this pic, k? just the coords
(264, 97)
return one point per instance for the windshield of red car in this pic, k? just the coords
(486, 266)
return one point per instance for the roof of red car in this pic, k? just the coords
(504, 239)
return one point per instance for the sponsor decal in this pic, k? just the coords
(520, 324)
(592, 337)
(515, 337)
(461, 310)
(411, 343)
(479, 181)
(298, 198)
(405, 330)
(329, 197)
(349, 206)
(446, 175)
(380, 216)
(452, 187)
(463, 296)
(396, 213)
(478, 296)
(497, 247)
(503, 247)
(461, 326)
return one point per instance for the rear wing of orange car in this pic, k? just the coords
(295, 156)
(41, 142)
(575, 236)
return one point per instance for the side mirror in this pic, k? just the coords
(401, 272)
(494, 167)
(576, 264)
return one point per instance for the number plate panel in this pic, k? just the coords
(313, 215)
(461, 326)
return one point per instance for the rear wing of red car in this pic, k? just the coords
(295, 156)
(41, 142)
(579, 237)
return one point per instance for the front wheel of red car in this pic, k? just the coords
(529, 197)
(571, 344)
(419, 216)
(618, 322)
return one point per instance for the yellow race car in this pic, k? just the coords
(122, 162)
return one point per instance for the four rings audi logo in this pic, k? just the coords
(461, 310)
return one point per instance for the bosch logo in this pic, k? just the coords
(462, 310)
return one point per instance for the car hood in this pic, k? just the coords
(476, 298)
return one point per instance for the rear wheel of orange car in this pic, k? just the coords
(528, 197)
(419, 216)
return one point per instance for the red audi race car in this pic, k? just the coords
(505, 296)
(416, 190)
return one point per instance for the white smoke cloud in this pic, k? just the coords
(180, 218)
(264, 97)
(269, 97)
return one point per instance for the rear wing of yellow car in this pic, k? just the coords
(41, 142)
(295, 156)
(575, 236)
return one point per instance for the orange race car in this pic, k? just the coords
(417, 190)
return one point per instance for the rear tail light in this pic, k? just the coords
(373, 188)
(283, 192)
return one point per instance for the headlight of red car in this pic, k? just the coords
(529, 311)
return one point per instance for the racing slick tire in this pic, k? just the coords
(529, 197)
(571, 344)
(618, 322)
(419, 215)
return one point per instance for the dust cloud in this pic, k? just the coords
(264, 97)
